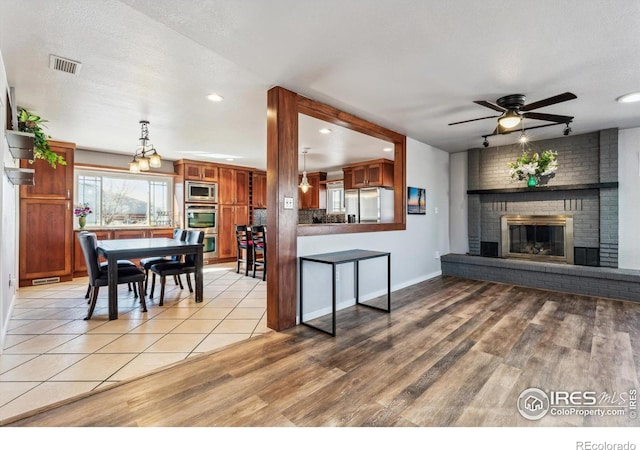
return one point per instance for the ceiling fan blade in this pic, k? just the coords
(548, 117)
(489, 105)
(549, 101)
(473, 120)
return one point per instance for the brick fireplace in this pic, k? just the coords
(585, 189)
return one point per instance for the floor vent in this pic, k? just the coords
(41, 281)
(64, 64)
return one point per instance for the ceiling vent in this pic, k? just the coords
(64, 64)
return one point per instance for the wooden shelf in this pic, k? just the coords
(20, 144)
(22, 177)
(564, 187)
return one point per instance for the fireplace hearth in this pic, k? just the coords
(538, 238)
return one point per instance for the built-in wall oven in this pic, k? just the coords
(205, 218)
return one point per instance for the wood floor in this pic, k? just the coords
(452, 352)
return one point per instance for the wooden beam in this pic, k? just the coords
(282, 224)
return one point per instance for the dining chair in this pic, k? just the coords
(259, 249)
(146, 263)
(104, 265)
(99, 278)
(171, 268)
(243, 241)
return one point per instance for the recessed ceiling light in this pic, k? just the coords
(325, 130)
(387, 149)
(629, 98)
(215, 97)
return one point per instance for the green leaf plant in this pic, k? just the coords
(31, 123)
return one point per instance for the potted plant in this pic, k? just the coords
(81, 212)
(532, 167)
(31, 123)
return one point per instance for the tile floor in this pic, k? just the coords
(50, 353)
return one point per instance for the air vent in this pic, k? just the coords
(64, 64)
(41, 281)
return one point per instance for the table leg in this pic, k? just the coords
(301, 303)
(389, 282)
(356, 280)
(199, 275)
(112, 275)
(333, 305)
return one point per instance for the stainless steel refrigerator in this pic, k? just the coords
(369, 205)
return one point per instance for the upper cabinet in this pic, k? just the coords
(375, 173)
(199, 171)
(259, 189)
(233, 186)
(49, 182)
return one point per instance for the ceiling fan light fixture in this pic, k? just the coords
(510, 119)
(629, 98)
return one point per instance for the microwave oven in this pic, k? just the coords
(196, 191)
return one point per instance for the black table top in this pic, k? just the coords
(344, 256)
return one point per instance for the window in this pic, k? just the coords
(335, 197)
(124, 200)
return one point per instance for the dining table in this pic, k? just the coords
(115, 249)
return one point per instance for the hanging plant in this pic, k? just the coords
(31, 123)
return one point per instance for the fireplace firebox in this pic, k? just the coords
(539, 238)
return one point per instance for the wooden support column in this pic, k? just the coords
(282, 224)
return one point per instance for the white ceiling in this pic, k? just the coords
(411, 65)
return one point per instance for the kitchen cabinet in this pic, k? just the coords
(233, 186)
(375, 173)
(46, 221)
(199, 171)
(259, 190)
(229, 217)
(316, 196)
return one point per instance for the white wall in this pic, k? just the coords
(8, 208)
(458, 185)
(412, 250)
(629, 198)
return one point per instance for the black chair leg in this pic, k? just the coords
(180, 282)
(153, 284)
(88, 292)
(163, 280)
(129, 285)
(146, 280)
(176, 280)
(92, 302)
(189, 282)
(143, 303)
(135, 291)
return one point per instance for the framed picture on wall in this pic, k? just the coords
(416, 201)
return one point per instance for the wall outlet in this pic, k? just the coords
(437, 255)
(288, 203)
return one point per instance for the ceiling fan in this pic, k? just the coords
(513, 109)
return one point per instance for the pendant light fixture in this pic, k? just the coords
(304, 184)
(146, 155)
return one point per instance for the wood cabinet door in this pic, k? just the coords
(45, 239)
(49, 182)
(226, 186)
(359, 176)
(348, 178)
(374, 175)
(259, 190)
(192, 172)
(164, 232)
(129, 234)
(226, 232)
(241, 180)
(209, 172)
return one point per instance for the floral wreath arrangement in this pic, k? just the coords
(534, 166)
(82, 210)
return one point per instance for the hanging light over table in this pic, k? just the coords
(146, 155)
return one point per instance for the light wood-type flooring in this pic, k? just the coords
(452, 352)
